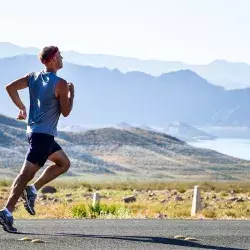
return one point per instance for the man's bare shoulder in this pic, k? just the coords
(61, 87)
(62, 83)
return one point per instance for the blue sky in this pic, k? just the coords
(192, 31)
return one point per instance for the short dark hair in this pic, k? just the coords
(47, 53)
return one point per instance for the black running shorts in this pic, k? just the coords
(41, 147)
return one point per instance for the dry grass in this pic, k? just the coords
(153, 200)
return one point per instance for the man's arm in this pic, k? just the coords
(66, 101)
(12, 89)
(71, 94)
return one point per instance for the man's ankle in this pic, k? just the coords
(34, 190)
(8, 212)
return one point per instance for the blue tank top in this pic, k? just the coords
(44, 106)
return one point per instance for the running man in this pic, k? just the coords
(50, 96)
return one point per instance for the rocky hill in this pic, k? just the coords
(132, 152)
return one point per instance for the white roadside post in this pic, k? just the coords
(96, 199)
(196, 206)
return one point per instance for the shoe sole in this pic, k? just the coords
(5, 227)
(27, 206)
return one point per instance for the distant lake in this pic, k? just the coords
(235, 147)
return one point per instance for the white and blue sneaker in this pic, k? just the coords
(29, 198)
(7, 222)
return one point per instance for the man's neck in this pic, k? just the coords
(53, 70)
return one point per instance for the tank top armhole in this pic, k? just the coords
(57, 81)
(30, 76)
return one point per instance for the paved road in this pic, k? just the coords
(128, 234)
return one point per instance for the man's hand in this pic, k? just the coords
(22, 114)
(71, 89)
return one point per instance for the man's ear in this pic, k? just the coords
(53, 59)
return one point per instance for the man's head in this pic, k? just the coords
(51, 57)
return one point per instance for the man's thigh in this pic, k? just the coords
(59, 157)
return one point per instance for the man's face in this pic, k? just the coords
(59, 62)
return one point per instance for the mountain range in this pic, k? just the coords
(127, 153)
(231, 75)
(106, 96)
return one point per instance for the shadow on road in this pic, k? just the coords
(147, 239)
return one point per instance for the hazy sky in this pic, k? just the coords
(193, 31)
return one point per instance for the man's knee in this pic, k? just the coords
(28, 171)
(27, 175)
(64, 164)
(60, 159)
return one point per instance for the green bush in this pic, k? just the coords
(89, 211)
(80, 211)
(95, 211)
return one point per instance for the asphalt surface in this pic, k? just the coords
(128, 234)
